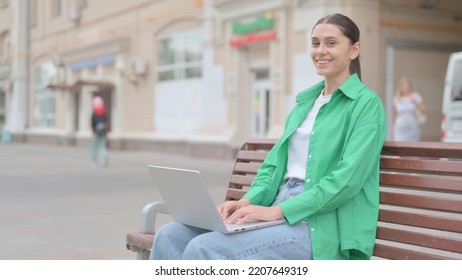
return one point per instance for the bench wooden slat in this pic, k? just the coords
(251, 156)
(139, 240)
(421, 165)
(246, 167)
(421, 220)
(398, 253)
(423, 149)
(421, 181)
(241, 180)
(420, 239)
(420, 201)
(235, 194)
(259, 144)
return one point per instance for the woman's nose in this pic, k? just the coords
(321, 49)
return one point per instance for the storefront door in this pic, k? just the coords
(260, 103)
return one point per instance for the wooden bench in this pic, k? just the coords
(420, 199)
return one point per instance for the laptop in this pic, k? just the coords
(190, 202)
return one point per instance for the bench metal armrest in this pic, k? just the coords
(149, 214)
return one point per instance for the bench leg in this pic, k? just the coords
(143, 255)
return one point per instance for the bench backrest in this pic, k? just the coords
(420, 196)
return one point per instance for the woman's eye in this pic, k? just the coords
(315, 44)
(331, 43)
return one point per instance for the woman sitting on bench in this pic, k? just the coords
(322, 176)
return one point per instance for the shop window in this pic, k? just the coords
(44, 105)
(179, 56)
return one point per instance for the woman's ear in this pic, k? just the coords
(355, 50)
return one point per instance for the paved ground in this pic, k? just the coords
(54, 206)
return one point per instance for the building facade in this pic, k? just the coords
(200, 76)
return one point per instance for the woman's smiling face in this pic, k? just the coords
(331, 51)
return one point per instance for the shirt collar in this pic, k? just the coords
(310, 93)
(350, 88)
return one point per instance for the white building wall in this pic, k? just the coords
(215, 113)
(178, 106)
(194, 105)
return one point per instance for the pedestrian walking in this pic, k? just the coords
(99, 125)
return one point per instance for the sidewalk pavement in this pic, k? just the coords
(54, 206)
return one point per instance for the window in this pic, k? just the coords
(44, 109)
(179, 56)
(456, 82)
(2, 108)
(5, 46)
(56, 8)
(83, 3)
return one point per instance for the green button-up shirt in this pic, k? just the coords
(341, 197)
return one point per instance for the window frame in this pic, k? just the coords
(180, 65)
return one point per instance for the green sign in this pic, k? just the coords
(260, 23)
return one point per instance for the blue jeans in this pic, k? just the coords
(178, 241)
(98, 149)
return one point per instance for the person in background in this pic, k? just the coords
(407, 107)
(99, 125)
(321, 176)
